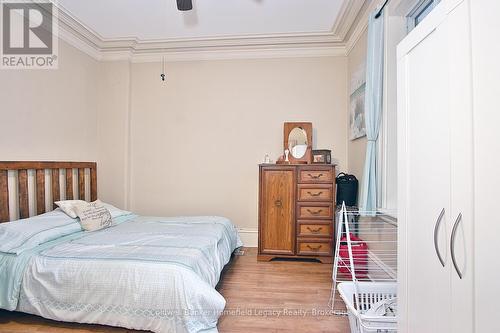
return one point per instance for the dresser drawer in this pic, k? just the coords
(316, 175)
(308, 229)
(314, 248)
(309, 210)
(317, 192)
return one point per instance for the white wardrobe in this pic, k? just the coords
(439, 272)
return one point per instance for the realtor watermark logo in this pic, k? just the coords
(29, 34)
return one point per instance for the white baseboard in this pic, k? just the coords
(249, 237)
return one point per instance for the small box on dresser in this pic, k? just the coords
(296, 211)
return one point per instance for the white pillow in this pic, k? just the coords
(93, 215)
(115, 212)
(68, 206)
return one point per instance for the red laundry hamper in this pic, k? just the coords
(360, 258)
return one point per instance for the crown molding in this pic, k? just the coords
(361, 26)
(317, 44)
(248, 53)
(347, 16)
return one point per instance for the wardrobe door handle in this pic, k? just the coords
(436, 229)
(452, 244)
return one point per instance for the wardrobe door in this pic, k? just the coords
(277, 203)
(461, 247)
(424, 179)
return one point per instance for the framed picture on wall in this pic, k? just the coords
(357, 113)
(357, 104)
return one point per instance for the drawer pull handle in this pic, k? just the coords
(317, 194)
(314, 248)
(315, 212)
(278, 203)
(318, 176)
(315, 231)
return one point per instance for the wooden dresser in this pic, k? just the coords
(296, 211)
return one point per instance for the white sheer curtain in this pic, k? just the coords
(373, 109)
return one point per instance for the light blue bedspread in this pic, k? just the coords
(149, 273)
(13, 266)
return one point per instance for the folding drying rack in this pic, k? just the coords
(365, 268)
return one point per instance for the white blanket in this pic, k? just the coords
(149, 273)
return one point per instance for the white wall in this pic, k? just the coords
(196, 140)
(50, 114)
(113, 131)
(75, 113)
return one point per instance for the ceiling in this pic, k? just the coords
(160, 19)
(126, 28)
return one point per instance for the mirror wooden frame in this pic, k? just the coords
(288, 127)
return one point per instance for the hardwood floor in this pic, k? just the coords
(264, 297)
(278, 285)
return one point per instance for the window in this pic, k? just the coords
(420, 11)
(387, 159)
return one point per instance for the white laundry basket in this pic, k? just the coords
(368, 293)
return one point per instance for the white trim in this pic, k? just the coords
(355, 36)
(79, 44)
(346, 17)
(239, 54)
(388, 216)
(301, 44)
(361, 26)
(249, 237)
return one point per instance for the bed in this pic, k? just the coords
(148, 273)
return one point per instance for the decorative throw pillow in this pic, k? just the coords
(68, 206)
(93, 215)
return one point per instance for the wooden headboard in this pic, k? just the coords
(40, 168)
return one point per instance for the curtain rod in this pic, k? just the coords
(381, 9)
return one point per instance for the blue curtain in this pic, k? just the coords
(373, 109)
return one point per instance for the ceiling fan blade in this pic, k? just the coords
(184, 5)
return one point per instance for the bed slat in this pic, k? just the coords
(4, 197)
(56, 193)
(81, 184)
(93, 184)
(39, 194)
(40, 191)
(69, 184)
(22, 178)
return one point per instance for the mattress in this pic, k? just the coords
(148, 273)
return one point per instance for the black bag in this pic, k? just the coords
(347, 189)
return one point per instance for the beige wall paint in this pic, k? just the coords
(197, 140)
(78, 112)
(356, 148)
(189, 146)
(50, 114)
(112, 125)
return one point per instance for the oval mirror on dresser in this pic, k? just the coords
(297, 142)
(297, 138)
